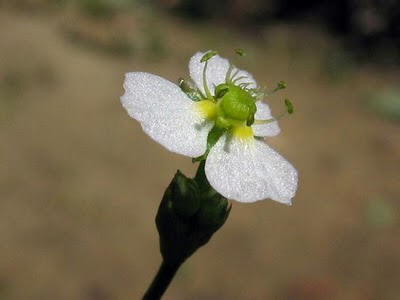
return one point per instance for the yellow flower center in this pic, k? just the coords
(243, 133)
(208, 109)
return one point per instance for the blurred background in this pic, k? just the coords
(80, 182)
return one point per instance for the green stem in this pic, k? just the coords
(161, 281)
(200, 176)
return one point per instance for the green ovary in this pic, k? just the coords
(236, 107)
(238, 104)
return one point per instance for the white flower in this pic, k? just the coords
(238, 166)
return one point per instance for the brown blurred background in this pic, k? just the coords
(80, 182)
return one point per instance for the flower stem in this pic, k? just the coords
(190, 212)
(162, 280)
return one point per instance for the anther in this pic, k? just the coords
(240, 52)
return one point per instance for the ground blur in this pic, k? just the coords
(80, 182)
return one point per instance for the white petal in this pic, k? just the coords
(166, 113)
(216, 72)
(264, 113)
(250, 171)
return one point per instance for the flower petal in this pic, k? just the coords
(216, 72)
(250, 171)
(264, 113)
(166, 114)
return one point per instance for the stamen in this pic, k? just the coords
(289, 110)
(244, 85)
(279, 86)
(228, 73)
(208, 55)
(234, 75)
(240, 52)
(239, 78)
(205, 59)
(258, 93)
(289, 106)
(208, 94)
(221, 90)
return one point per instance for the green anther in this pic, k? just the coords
(240, 52)
(281, 85)
(221, 90)
(289, 106)
(208, 55)
(250, 120)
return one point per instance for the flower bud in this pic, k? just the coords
(213, 211)
(186, 200)
(190, 212)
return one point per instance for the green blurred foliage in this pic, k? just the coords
(337, 65)
(101, 9)
(380, 213)
(386, 103)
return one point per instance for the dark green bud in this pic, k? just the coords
(190, 212)
(214, 211)
(186, 200)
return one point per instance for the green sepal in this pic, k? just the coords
(188, 88)
(185, 190)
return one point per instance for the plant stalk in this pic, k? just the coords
(161, 281)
